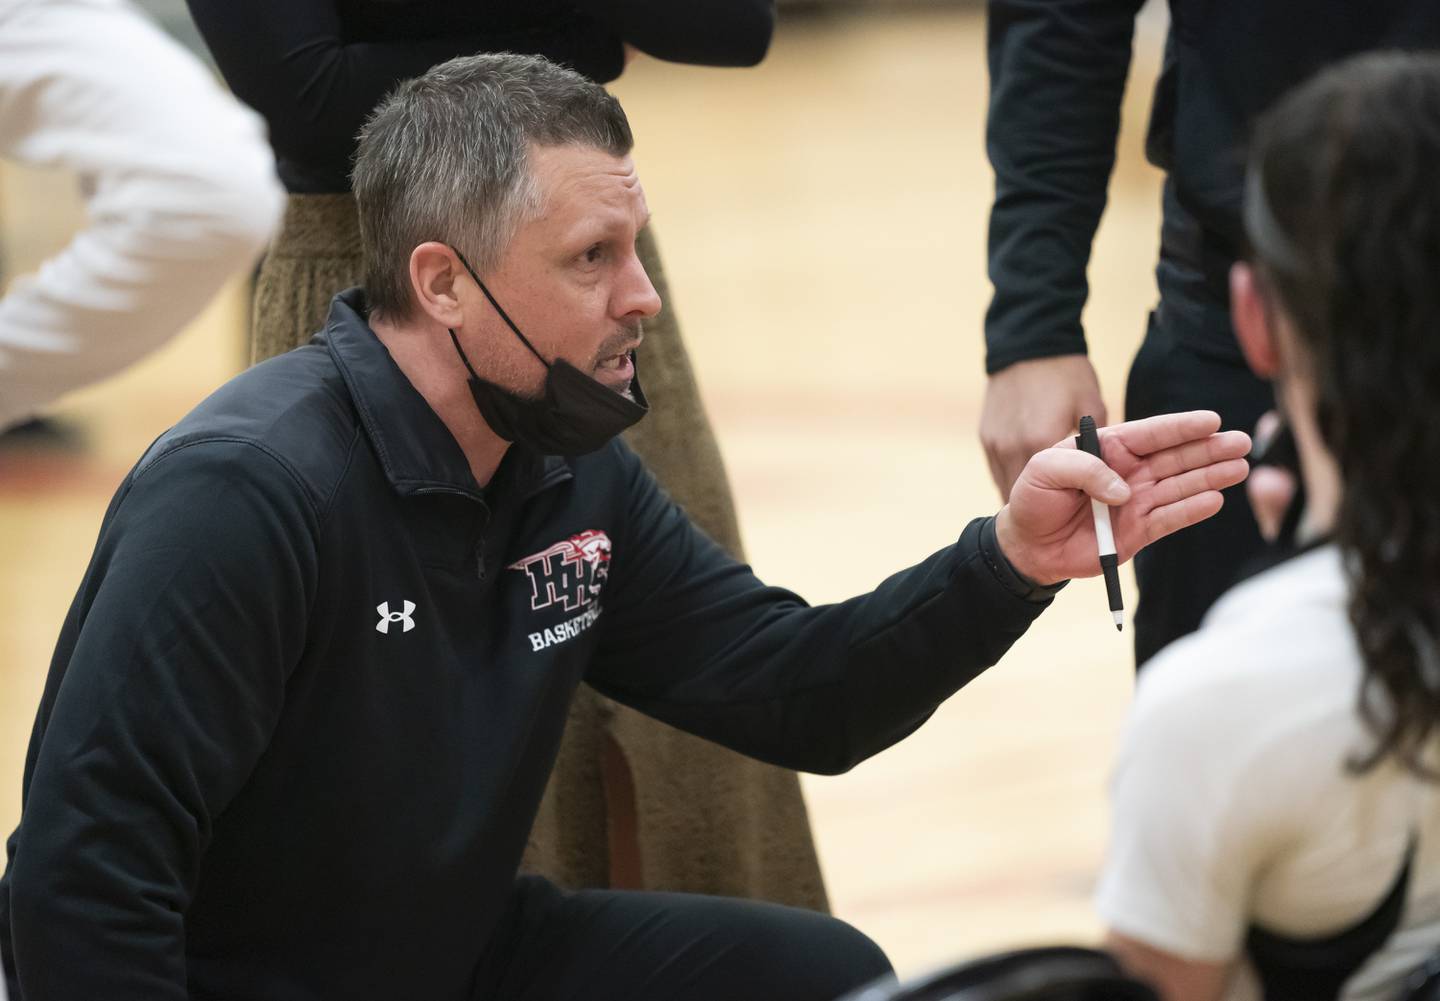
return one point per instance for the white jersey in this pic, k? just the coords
(178, 179)
(1232, 801)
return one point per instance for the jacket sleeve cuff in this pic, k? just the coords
(1001, 357)
(1011, 579)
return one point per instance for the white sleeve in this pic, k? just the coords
(1190, 825)
(179, 183)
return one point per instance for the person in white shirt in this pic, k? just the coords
(178, 178)
(1276, 824)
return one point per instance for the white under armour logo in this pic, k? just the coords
(387, 617)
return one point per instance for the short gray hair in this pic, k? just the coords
(446, 157)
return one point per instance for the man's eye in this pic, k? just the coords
(594, 254)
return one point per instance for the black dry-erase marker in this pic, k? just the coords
(1089, 441)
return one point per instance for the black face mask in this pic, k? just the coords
(575, 415)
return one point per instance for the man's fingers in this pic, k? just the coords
(1162, 521)
(1219, 447)
(1004, 468)
(1014, 467)
(1153, 434)
(1007, 461)
(997, 475)
(1216, 476)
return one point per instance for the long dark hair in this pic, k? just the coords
(1343, 210)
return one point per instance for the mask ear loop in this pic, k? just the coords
(461, 352)
(503, 315)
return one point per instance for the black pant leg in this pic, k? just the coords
(617, 945)
(1181, 576)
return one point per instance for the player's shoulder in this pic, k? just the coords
(1277, 645)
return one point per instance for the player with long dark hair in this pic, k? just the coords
(1277, 824)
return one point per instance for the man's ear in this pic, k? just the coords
(1251, 318)
(433, 271)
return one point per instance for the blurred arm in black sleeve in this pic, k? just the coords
(315, 80)
(1057, 76)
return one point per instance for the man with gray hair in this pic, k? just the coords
(304, 706)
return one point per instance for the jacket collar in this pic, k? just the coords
(415, 448)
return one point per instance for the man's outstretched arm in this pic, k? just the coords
(693, 638)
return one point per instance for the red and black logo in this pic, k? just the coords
(570, 573)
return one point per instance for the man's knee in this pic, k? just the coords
(864, 960)
(830, 958)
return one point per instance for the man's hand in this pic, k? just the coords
(1031, 404)
(1160, 475)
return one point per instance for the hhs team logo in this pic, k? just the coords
(570, 573)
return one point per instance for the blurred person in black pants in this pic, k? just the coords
(1058, 71)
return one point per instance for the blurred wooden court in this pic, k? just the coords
(823, 220)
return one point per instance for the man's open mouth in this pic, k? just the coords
(616, 371)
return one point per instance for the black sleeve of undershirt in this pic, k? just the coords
(692, 637)
(703, 32)
(289, 61)
(1057, 76)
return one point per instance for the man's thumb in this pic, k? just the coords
(1072, 469)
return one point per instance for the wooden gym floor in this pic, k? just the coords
(823, 220)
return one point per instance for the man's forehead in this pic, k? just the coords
(571, 158)
(582, 178)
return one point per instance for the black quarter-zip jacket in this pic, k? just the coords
(304, 706)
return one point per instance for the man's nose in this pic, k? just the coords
(637, 295)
